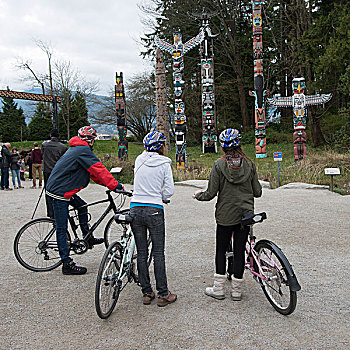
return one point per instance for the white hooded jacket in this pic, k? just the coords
(153, 178)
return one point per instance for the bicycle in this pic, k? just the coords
(117, 268)
(269, 266)
(35, 244)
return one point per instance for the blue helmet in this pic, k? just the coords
(153, 141)
(230, 138)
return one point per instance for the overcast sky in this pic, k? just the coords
(97, 36)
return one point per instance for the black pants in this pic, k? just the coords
(49, 207)
(223, 237)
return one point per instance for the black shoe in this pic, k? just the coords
(1, 188)
(72, 269)
(8, 189)
(94, 241)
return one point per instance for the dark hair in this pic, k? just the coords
(54, 133)
(36, 144)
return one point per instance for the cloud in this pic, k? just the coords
(98, 37)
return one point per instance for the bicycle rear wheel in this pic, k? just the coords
(108, 287)
(276, 288)
(35, 245)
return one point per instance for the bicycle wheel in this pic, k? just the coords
(108, 287)
(35, 245)
(277, 287)
(114, 232)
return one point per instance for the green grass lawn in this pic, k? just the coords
(309, 170)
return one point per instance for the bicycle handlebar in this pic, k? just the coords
(125, 193)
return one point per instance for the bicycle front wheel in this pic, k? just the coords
(35, 245)
(276, 287)
(108, 286)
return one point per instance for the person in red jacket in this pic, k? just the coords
(72, 173)
(37, 159)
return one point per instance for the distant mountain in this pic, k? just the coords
(29, 109)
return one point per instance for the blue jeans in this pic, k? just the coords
(16, 172)
(5, 177)
(60, 209)
(152, 219)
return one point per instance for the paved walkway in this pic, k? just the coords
(52, 311)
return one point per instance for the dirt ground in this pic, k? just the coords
(53, 311)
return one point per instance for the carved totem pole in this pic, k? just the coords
(209, 122)
(161, 99)
(259, 93)
(121, 117)
(299, 101)
(178, 50)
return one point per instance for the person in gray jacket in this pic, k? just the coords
(153, 183)
(52, 150)
(235, 181)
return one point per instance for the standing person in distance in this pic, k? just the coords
(235, 181)
(71, 174)
(15, 168)
(52, 150)
(6, 157)
(153, 183)
(37, 159)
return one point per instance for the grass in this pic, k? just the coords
(309, 170)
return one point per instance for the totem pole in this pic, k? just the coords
(178, 50)
(121, 117)
(161, 100)
(259, 93)
(299, 101)
(209, 123)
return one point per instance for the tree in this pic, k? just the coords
(141, 107)
(13, 126)
(41, 123)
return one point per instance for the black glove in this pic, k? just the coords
(119, 186)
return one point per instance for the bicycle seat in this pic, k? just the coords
(251, 219)
(123, 219)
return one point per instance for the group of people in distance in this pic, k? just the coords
(233, 179)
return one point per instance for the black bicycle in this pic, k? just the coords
(35, 244)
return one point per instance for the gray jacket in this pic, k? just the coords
(52, 151)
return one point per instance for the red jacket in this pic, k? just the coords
(36, 156)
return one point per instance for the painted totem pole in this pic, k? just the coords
(121, 117)
(161, 98)
(209, 122)
(299, 102)
(178, 50)
(259, 93)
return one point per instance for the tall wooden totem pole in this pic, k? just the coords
(299, 101)
(259, 93)
(161, 99)
(178, 50)
(121, 117)
(209, 122)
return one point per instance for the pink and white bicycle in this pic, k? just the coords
(270, 268)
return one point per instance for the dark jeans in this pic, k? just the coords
(48, 199)
(60, 209)
(152, 219)
(223, 237)
(5, 177)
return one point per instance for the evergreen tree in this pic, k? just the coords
(13, 126)
(41, 123)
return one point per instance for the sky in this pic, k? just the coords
(98, 37)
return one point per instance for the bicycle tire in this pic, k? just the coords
(35, 246)
(107, 291)
(277, 290)
(114, 231)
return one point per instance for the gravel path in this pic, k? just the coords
(53, 311)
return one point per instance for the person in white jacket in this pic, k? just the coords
(153, 184)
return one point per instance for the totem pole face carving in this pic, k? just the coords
(179, 107)
(298, 85)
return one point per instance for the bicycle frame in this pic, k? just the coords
(252, 257)
(127, 255)
(111, 206)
